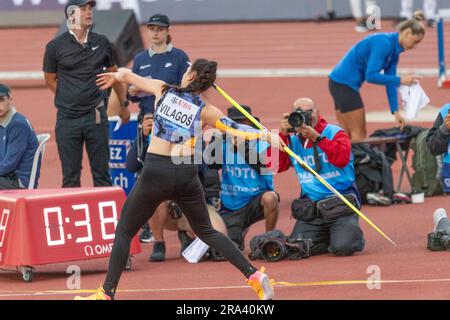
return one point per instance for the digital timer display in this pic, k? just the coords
(59, 225)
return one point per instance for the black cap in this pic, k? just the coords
(159, 19)
(4, 90)
(234, 114)
(79, 3)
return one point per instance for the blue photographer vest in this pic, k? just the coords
(445, 177)
(177, 116)
(240, 182)
(340, 179)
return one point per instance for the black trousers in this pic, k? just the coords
(342, 237)
(161, 180)
(71, 135)
(9, 182)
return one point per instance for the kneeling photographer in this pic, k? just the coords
(321, 216)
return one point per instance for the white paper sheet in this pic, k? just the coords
(413, 98)
(195, 251)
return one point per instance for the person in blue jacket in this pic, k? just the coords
(160, 61)
(18, 144)
(164, 62)
(374, 59)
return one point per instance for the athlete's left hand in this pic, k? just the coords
(399, 120)
(124, 114)
(105, 80)
(275, 140)
(308, 132)
(147, 124)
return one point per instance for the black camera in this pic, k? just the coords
(438, 241)
(299, 117)
(174, 210)
(273, 249)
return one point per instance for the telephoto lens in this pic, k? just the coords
(300, 117)
(438, 241)
(273, 250)
(296, 119)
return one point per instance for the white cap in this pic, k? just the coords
(438, 215)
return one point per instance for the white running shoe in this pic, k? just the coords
(438, 215)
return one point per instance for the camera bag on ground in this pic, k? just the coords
(438, 241)
(425, 177)
(372, 171)
(274, 246)
(390, 149)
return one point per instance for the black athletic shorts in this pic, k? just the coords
(345, 98)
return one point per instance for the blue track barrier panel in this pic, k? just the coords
(121, 138)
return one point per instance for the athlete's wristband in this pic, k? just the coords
(225, 124)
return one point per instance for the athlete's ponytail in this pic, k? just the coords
(205, 76)
(415, 24)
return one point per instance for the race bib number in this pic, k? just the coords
(178, 111)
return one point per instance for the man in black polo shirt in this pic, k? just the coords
(71, 64)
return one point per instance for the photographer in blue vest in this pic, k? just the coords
(438, 141)
(321, 216)
(247, 194)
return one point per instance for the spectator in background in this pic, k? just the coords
(18, 144)
(359, 16)
(438, 141)
(373, 59)
(160, 61)
(429, 8)
(247, 193)
(326, 149)
(71, 64)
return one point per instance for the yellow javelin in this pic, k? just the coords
(302, 163)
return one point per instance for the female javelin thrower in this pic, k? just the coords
(364, 62)
(179, 115)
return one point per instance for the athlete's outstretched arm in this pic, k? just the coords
(212, 116)
(106, 80)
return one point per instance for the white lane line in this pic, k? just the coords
(241, 73)
(299, 284)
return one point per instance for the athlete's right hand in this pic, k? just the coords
(106, 80)
(399, 120)
(410, 79)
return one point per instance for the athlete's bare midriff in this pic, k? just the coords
(166, 148)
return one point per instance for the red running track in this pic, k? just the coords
(271, 45)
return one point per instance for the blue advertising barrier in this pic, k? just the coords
(121, 139)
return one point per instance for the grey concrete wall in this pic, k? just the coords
(220, 10)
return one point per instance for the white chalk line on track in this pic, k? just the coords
(241, 73)
(19, 293)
